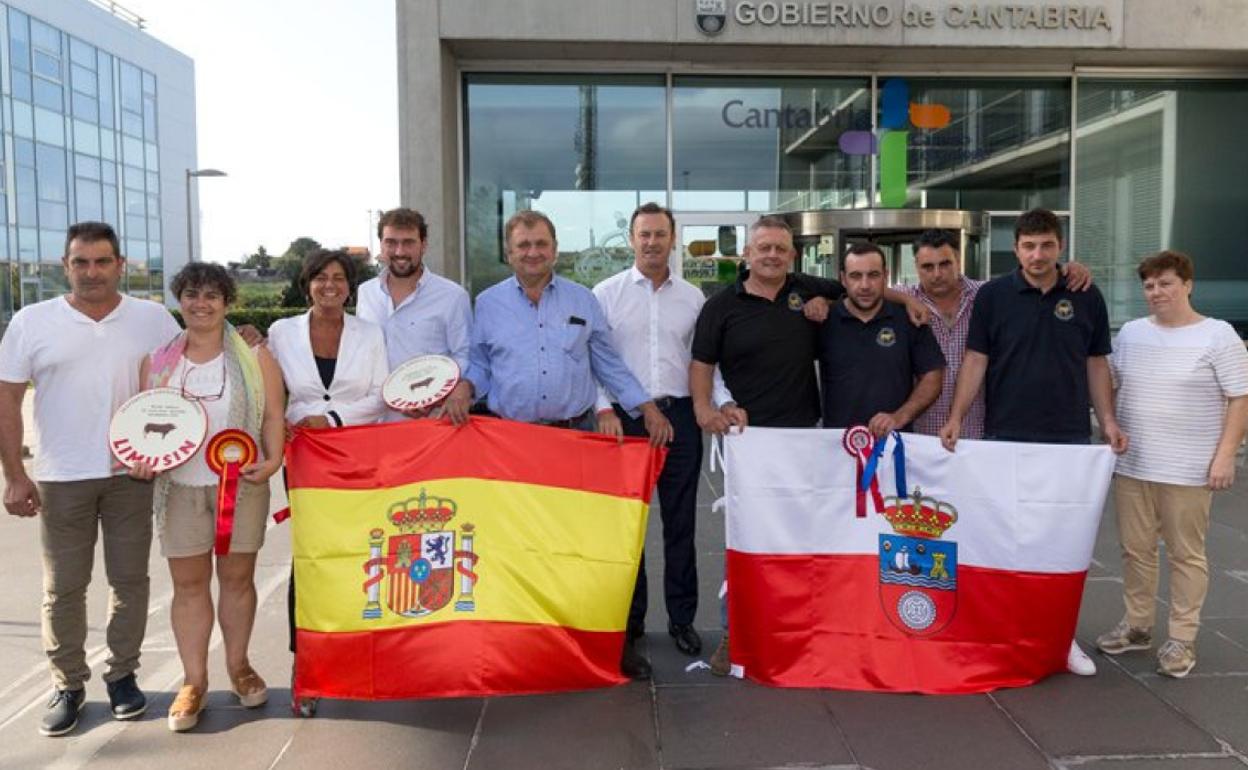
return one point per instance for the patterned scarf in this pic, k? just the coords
(246, 408)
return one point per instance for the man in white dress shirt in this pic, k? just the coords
(420, 312)
(652, 314)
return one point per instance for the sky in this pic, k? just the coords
(296, 100)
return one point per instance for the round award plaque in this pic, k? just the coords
(420, 383)
(158, 427)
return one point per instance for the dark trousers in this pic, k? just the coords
(678, 493)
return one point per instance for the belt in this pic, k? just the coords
(667, 402)
(568, 423)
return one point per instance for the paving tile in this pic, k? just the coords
(746, 727)
(1182, 763)
(669, 663)
(931, 732)
(1234, 629)
(603, 728)
(1110, 713)
(1218, 704)
(430, 734)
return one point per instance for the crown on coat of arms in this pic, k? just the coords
(919, 516)
(423, 513)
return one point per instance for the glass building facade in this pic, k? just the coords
(1132, 166)
(80, 142)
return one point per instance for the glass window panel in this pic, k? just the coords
(86, 166)
(19, 56)
(136, 228)
(152, 153)
(153, 233)
(1005, 145)
(131, 151)
(24, 152)
(153, 206)
(736, 135)
(149, 118)
(131, 88)
(136, 256)
(108, 144)
(131, 123)
(49, 95)
(110, 205)
(153, 182)
(46, 65)
(134, 204)
(45, 37)
(84, 80)
(28, 243)
(51, 170)
(1161, 165)
(109, 173)
(49, 127)
(23, 120)
(132, 178)
(21, 87)
(579, 148)
(86, 137)
(149, 83)
(53, 214)
(85, 107)
(82, 53)
(87, 198)
(52, 280)
(24, 179)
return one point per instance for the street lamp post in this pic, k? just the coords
(190, 242)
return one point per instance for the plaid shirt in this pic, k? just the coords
(952, 339)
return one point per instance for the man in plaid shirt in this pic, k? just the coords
(950, 296)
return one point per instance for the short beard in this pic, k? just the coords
(413, 268)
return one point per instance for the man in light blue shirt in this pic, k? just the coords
(421, 313)
(540, 347)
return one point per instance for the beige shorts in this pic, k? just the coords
(189, 527)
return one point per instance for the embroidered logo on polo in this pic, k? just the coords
(1065, 310)
(795, 301)
(886, 338)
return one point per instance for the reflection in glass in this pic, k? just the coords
(776, 137)
(1161, 165)
(584, 150)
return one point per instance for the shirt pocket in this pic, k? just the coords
(576, 341)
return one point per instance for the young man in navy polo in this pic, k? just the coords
(1041, 348)
(878, 368)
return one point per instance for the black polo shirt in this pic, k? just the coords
(1038, 345)
(870, 367)
(766, 349)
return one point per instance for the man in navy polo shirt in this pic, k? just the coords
(1042, 350)
(878, 369)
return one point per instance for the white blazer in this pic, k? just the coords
(354, 395)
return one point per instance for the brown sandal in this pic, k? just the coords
(186, 708)
(250, 688)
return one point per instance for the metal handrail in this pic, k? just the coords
(121, 12)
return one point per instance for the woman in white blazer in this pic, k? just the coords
(334, 365)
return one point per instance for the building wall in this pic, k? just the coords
(145, 174)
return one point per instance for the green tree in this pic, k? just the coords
(261, 259)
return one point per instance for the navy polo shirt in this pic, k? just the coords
(870, 367)
(1038, 346)
(765, 349)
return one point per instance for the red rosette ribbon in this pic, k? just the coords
(227, 454)
(859, 442)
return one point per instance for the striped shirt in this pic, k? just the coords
(1173, 385)
(952, 339)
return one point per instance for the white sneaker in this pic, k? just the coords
(1078, 662)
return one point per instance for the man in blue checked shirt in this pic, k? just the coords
(540, 345)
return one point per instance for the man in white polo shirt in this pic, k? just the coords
(82, 352)
(421, 313)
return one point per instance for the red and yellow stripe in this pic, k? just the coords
(557, 520)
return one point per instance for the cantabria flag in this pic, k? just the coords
(967, 579)
(435, 561)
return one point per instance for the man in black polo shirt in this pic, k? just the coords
(758, 333)
(1042, 349)
(878, 368)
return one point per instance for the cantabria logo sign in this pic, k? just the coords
(712, 15)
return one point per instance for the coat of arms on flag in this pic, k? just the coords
(421, 564)
(918, 571)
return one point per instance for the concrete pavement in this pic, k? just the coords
(1126, 718)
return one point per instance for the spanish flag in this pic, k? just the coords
(436, 561)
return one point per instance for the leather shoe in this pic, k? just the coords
(687, 639)
(632, 664)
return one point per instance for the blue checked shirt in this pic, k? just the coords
(544, 362)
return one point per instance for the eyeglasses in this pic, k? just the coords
(198, 396)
